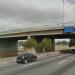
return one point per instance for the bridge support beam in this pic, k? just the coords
(8, 47)
(28, 37)
(53, 44)
(72, 42)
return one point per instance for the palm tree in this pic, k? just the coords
(30, 43)
(47, 45)
(44, 46)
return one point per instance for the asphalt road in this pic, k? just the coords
(59, 65)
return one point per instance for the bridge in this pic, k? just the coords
(9, 39)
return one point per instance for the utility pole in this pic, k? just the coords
(63, 12)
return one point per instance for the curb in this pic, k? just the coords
(40, 56)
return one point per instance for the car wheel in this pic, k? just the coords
(25, 61)
(34, 59)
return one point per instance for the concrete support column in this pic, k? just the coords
(72, 42)
(28, 37)
(8, 47)
(53, 44)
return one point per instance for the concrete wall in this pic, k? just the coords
(8, 47)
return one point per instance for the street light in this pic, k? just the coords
(63, 12)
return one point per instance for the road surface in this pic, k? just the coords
(59, 65)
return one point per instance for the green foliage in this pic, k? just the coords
(62, 43)
(30, 43)
(39, 48)
(47, 44)
(58, 43)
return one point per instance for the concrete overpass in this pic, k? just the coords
(8, 39)
(32, 31)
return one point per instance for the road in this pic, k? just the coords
(59, 65)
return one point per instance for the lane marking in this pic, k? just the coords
(62, 62)
(29, 64)
(4, 62)
(63, 55)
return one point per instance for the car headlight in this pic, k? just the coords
(22, 56)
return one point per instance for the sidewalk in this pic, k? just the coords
(47, 54)
(7, 61)
(12, 60)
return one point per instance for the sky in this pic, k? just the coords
(29, 13)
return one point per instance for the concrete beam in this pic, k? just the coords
(34, 33)
(28, 37)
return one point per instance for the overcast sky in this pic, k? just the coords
(27, 13)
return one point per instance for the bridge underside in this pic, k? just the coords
(8, 46)
(56, 36)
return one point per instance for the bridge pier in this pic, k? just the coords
(72, 42)
(8, 47)
(28, 37)
(53, 44)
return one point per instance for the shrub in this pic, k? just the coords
(47, 44)
(44, 46)
(39, 48)
(30, 43)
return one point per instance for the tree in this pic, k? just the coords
(30, 43)
(44, 46)
(39, 48)
(58, 43)
(64, 42)
(47, 44)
